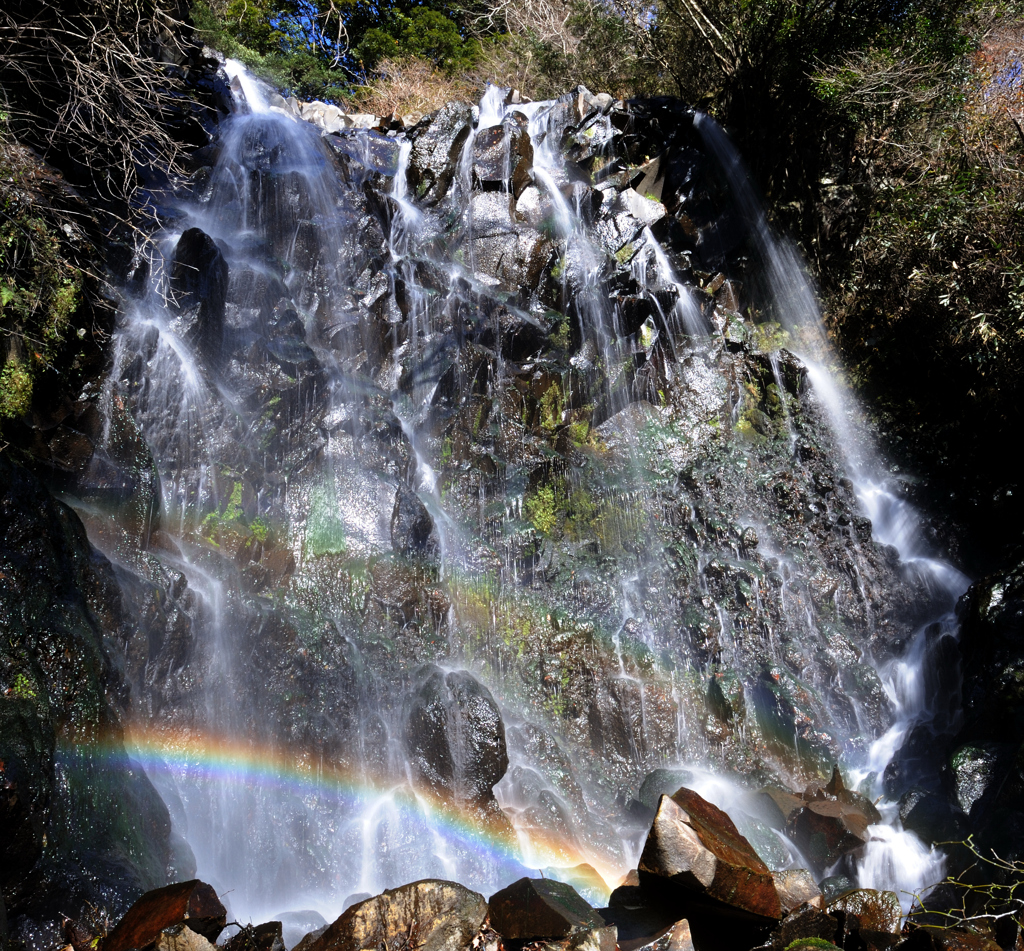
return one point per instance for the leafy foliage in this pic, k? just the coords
(927, 301)
(323, 49)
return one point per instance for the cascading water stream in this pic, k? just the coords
(894, 859)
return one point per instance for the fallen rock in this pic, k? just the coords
(412, 528)
(696, 847)
(806, 924)
(193, 902)
(541, 908)
(429, 915)
(456, 738)
(836, 885)
(584, 878)
(310, 939)
(673, 936)
(597, 939)
(796, 887)
(869, 917)
(183, 938)
(199, 283)
(825, 830)
(296, 926)
(436, 152)
(661, 782)
(265, 937)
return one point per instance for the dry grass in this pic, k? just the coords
(412, 87)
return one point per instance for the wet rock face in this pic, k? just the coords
(432, 915)
(436, 151)
(61, 694)
(871, 916)
(696, 847)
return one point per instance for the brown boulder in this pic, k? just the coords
(826, 829)
(796, 887)
(183, 938)
(696, 847)
(265, 937)
(868, 918)
(805, 924)
(193, 902)
(596, 939)
(430, 915)
(541, 908)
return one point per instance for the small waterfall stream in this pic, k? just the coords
(463, 472)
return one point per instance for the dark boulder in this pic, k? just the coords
(456, 739)
(833, 821)
(804, 923)
(987, 762)
(541, 908)
(660, 782)
(932, 817)
(193, 902)
(199, 285)
(696, 848)
(825, 831)
(265, 937)
(412, 528)
(503, 155)
(429, 915)
(296, 925)
(867, 918)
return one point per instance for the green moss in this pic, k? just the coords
(551, 408)
(542, 511)
(233, 510)
(625, 253)
(23, 688)
(559, 337)
(767, 337)
(40, 288)
(15, 390)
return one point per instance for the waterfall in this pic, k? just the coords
(494, 513)
(894, 859)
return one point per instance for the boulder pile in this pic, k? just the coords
(700, 886)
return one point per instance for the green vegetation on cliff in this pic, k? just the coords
(40, 285)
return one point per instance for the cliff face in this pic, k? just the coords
(82, 824)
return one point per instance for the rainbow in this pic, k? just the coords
(246, 764)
